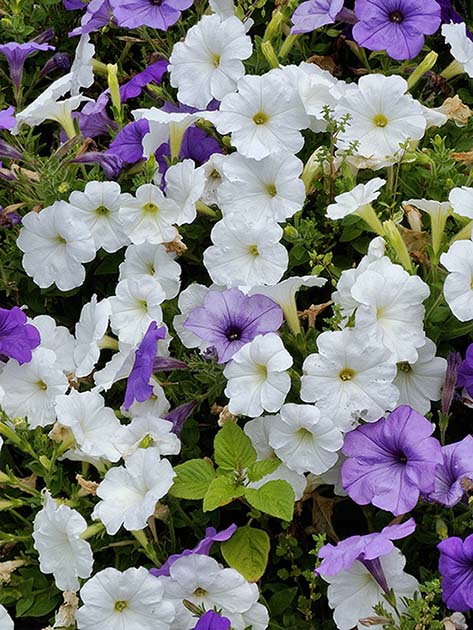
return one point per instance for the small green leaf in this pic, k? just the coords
(275, 498)
(233, 449)
(221, 491)
(247, 552)
(260, 469)
(193, 479)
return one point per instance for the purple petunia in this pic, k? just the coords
(17, 337)
(456, 567)
(97, 15)
(454, 361)
(196, 145)
(203, 547)
(8, 218)
(390, 462)
(179, 415)
(213, 621)
(112, 164)
(159, 14)
(94, 120)
(457, 465)
(152, 74)
(230, 319)
(128, 143)
(465, 371)
(138, 386)
(16, 55)
(7, 118)
(397, 26)
(315, 13)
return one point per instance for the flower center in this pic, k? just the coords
(402, 458)
(61, 240)
(346, 374)
(396, 16)
(216, 60)
(41, 385)
(405, 366)
(262, 371)
(150, 208)
(304, 434)
(233, 333)
(156, 3)
(143, 305)
(272, 191)
(120, 605)
(151, 269)
(102, 211)
(253, 250)
(260, 118)
(200, 592)
(380, 120)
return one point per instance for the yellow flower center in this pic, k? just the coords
(380, 120)
(42, 385)
(405, 366)
(253, 250)
(120, 605)
(61, 240)
(346, 374)
(216, 60)
(272, 190)
(150, 208)
(102, 211)
(260, 118)
(200, 592)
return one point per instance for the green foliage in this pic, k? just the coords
(193, 479)
(247, 551)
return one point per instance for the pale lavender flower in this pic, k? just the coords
(456, 567)
(7, 118)
(315, 13)
(456, 467)
(159, 14)
(16, 55)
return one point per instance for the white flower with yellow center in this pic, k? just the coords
(153, 261)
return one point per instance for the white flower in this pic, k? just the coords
(94, 426)
(164, 127)
(90, 329)
(129, 494)
(461, 200)
(118, 368)
(62, 552)
(135, 305)
(268, 189)
(156, 406)
(304, 440)
(257, 376)
(148, 260)
(382, 116)
(204, 582)
(55, 244)
(58, 339)
(461, 46)
(213, 172)
(6, 622)
(264, 117)
(132, 600)
(256, 618)
(150, 216)
(457, 288)
(46, 107)
(184, 185)
(98, 207)
(438, 211)
(421, 382)
(207, 64)
(156, 432)
(354, 201)
(31, 389)
(245, 252)
(318, 89)
(353, 593)
(259, 430)
(350, 378)
(390, 302)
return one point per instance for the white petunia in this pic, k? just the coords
(259, 430)
(213, 173)
(304, 440)
(461, 199)
(206, 583)
(382, 117)
(264, 117)
(245, 252)
(156, 432)
(149, 216)
(461, 46)
(457, 288)
(31, 389)
(55, 244)
(129, 494)
(94, 426)
(135, 305)
(256, 618)
(185, 185)
(132, 600)
(438, 211)
(422, 381)
(153, 261)
(62, 552)
(90, 329)
(358, 201)
(98, 207)
(350, 378)
(156, 406)
(257, 376)
(268, 189)
(208, 63)
(58, 339)
(6, 622)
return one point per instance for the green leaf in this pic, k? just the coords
(233, 449)
(193, 479)
(221, 491)
(275, 498)
(247, 552)
(280, 601)
(260, 469)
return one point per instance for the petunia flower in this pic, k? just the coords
(314, 14)
(196, 145)
(16, 54)
(128, 143)
(456, 36)
(465, 371)
(457, 289)
(17, 337)
(389, 463)
(151, 74)
(89, 331)
(213, 621)
(159, 15)
(397, 26)
(58, 339)
(98, 14)
(7, 118)
(230, 319)
(112, 164)
(456, 568)
(456, 467)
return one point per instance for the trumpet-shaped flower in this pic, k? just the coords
(90, 329)
(148, 260)
(17, 337)
(461, 46)
(457, 288)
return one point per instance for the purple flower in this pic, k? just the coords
(152, 74)
(457, 465)
(366, 549)
(448, 389)
(179, 415)
(315, 13)
(112, 164)
(203, 547)
(160, 14)
(465, 371)
(17, 337)
(391, 461)
(94, 120)
(97, 15)
(213, 621)
(16, 55)
(59, 61)
(128, 143)
(138, 386)
(7, 151)
(7, 118)
(230, 319)
(8, 219)
(450, 15)
(456, 567)
(74, 5)
(196, 145)
(397, 26)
